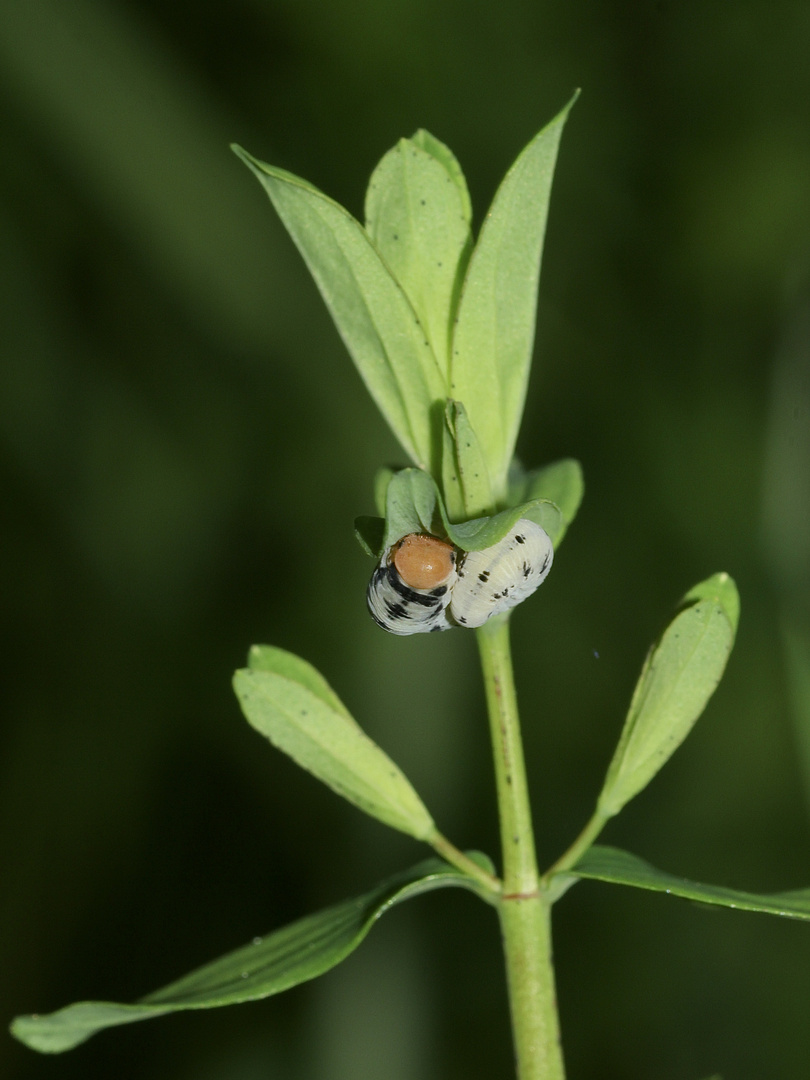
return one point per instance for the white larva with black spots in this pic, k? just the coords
(502, 576)
(423, 584)
(410, 590)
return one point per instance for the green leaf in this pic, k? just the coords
(417, 217)
(610, 864)
(679, 676)
(286, 700)
(370, 533)
(277, 661)
(465, 478)
(484, 532)
(413, 504)
(447, 159)
(377, 322)
(561, 482)
(494, 336)
(280, 960)
(382, 479)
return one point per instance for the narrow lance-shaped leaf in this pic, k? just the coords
(418, 219)
(280, 960)
(494, 336)
(679, 676)
(621, 868)
(378, 324)
(465, 477)
(291, 704)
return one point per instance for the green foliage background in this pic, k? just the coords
(184, 446)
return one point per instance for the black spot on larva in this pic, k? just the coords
(526, 569)
(497, 595)
(520, 539)
(411, 596)
(440, 591)
(433, 629)
(461, 620)
(484, 575)
(545, 562)
(395, 611)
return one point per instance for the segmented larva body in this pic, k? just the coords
(411, 588)
(423, 584)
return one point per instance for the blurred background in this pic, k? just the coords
(184, 445)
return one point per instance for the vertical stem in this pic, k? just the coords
(524, 909)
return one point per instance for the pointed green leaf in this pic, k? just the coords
(374, 317)
(465, 477)
(411, 505)
(302, 717)
(561, 482)
(415, 214)
(679, 676)
(370, 533)
(494, 337)
(447, 159)
(621, 868)
(277, 661)
(280, 960)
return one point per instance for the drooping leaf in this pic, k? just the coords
(272, 963)
(494, 336)
(610, 864)
(300, 714)
(679, 676)
(376, 320)
(561, 482)
(417, 218)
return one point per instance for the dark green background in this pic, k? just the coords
(185, 445)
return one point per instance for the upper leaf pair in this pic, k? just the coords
(426, 316)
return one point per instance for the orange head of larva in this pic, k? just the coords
(424, 562)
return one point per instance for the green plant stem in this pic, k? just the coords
(450, 853)
(524, 908)
(579, 846)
